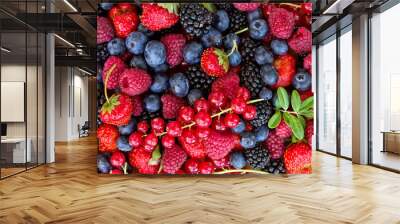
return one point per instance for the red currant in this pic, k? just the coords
(243, 93)
(306, 8)
(151, 139)
(168, 141)
(189, 136)
(143, 126)
(158, 124)
(149, 148)
(201, 105)
(206, 167)
(136, 139)
(218, 125)
(203, 119)
(202, 132)
(115, 171)
(117, 159)
(174, 128)
(231, 120)
(238, 105)
(250, 112)
(186, 114)
(217, 99)
(192, 166)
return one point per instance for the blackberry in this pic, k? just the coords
(237, 19)
(148, 116)
(247, 48)
(250, 78)
(195, 19)
(102, 53)
(198, 79)
(257, 157)
(275, 166)
(264, 112)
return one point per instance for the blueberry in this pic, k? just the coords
(261, 133)
(192, 52)
(179, 85)
(253, 15)
(237, 160)
(263, 56)
(213, 38)
(269, 75)
(248, 140)
(160, 83)
(161, 68)
(106, 6)
(230, 39)
(194, 95)
(123, 144)
(116, 46)
(152, 103)
(145, 31)
(265, 93)
(235, 58)
(102, 164)
(258, 29)
(129, 128)
(135, 42)
(221, 21)
(302, 81)
(240, 127)
(155, 53)
(279, 47)
(138, 61)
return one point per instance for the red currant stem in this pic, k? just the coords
(241, 31)
(242, 171)
(125, 167)
(291, 4)
(212, 116)
(235, 47)
(106, 80)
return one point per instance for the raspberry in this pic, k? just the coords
(275, 145)
(134, 81)
(174, 44)
(113, 79)
(140, 158)
(137, 106)
(301, 40)
(246, 7)
(281, 22)
(219, 144)
(309, 132)
(173, 159)
(105, 31)
(195, 150)
(171, 105)
(227, 84)
(307, 63)
(283, 130)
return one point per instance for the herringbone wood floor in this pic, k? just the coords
(70, 191)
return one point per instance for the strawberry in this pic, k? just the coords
(118, 66)
(107, 136)
(137, 105)
(246, 7)
(124, 18)
(285, 65)
(117, 110)
(174, 43)
(173, 159)
(219, 144)
(171, 105)
(301, 40)
(195, 150)
(281, 22)
(156, 17)
(140, 159)
(275, 145)
(307, 63)
(283, 130)
(309, 131)
(297, 158)
(214, 62)
(134, 81)
(105, 30)
(227, 84)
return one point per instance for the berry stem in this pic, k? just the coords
(242, 171)
(291, 5)
(125, 167)
(241, 31)
(106, 80)
(235, 47)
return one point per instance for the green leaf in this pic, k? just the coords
(109, 105)
(294, 124)
(302, 121)
(309, 114)
(307, 104)
(283, 98)
(296, 101)
(275, 120)
(294, 139)
(222, 59)
(210, 7)
(155, 156)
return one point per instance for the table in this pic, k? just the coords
(391, 141)
(18, 149)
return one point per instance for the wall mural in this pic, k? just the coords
(204, 88)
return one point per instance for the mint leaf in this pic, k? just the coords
(283, 98)
(275, 120)
(309, 114)
(302, 121)
(296, 101)
(294, 124)
(307, 104)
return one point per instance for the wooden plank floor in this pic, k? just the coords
(70, 191)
